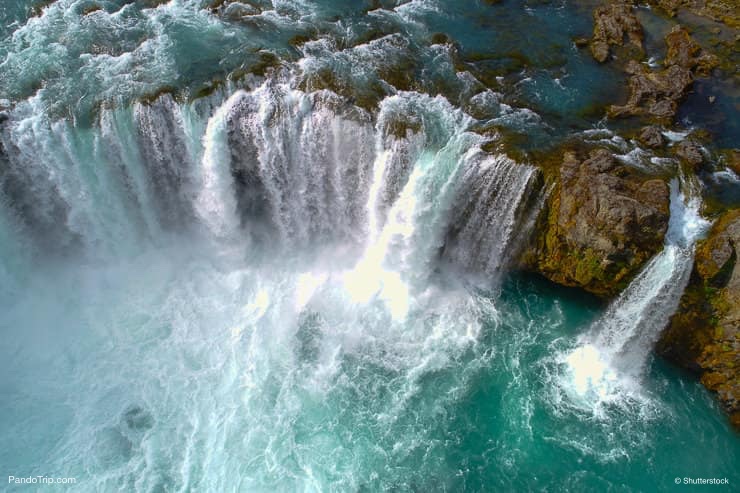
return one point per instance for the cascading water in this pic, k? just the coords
(487, 216)
(620, 341)
(271, 167)
(258, 246)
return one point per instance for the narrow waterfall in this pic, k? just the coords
(620, 342)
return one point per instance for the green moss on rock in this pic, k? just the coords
(704, 334)
(601, 223)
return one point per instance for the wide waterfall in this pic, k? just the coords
(333, 224)
(270, 165)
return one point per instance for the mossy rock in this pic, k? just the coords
(601, 223)
(704, 334)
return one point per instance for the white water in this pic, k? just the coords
(274, 165)
(245, 292)
(612, 356)
(178, 361)
(216, 203)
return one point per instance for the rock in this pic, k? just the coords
(725, 11)
(612, 23)
(441, 39)
(651, 136)
(602, 224)
(685, 52)
(600, 50)
(669, 6)
(656, 94)
(682, 50)
(690, 151)
(731, 159)
(704, 334)
(91, 9)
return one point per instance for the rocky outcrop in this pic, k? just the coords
(652, 137)
(612, 25)
(704, 335)
(653, 94)
(731, 159)
(725, 11)
(686, 53)
(689, 152)
(656, 94)
(601, 224)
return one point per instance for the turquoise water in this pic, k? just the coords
(272, 288)
(221, 402)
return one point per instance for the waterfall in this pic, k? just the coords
(482, 236)
(222, 248)
(262, 245)
(619, 343)
(107, 187)
(283, 167)
(215, 202)
(301, 164)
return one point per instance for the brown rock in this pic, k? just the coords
(704, 335)
(731, 158)
(690, 151)
(612, 24)
(656, 94)
(603, 223)
(685, 52)
(669, 6)
(600, 50)
(651, 136)
(725, 11)
(682, 50)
